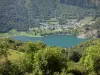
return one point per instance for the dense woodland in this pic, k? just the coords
(24, 14)
(39, 59)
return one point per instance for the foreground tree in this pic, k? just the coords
(91, 59)
(48, 61)
(4, 49)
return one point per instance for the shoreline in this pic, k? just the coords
(27, 36)
(8, 35)
(18, 35)
(82, 36)
(30, 35)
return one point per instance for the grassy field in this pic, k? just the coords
(12, 55)
(53, 21)
(86, 20)
(16, 33)
(30, 34)
(48, 31)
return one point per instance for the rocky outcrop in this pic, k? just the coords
(82, 36)
(98, 34)
(92, 33)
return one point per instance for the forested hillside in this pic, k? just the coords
(82, 3)
(24, 14)
(19, 14)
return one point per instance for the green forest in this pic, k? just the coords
(24, 14)
(19, 58)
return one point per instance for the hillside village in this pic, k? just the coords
(71, 23)
(81, 28)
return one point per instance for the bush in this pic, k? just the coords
(49, 60)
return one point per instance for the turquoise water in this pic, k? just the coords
(53, 40)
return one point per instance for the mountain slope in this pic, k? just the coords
(22, 14)
(82, 3)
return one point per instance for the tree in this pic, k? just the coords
(4, 49)
(91, 59)
(49, 60)
(73, 55)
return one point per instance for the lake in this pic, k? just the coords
(53, 40)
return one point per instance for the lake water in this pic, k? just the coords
(53, 40)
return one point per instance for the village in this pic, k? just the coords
(71, 23)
